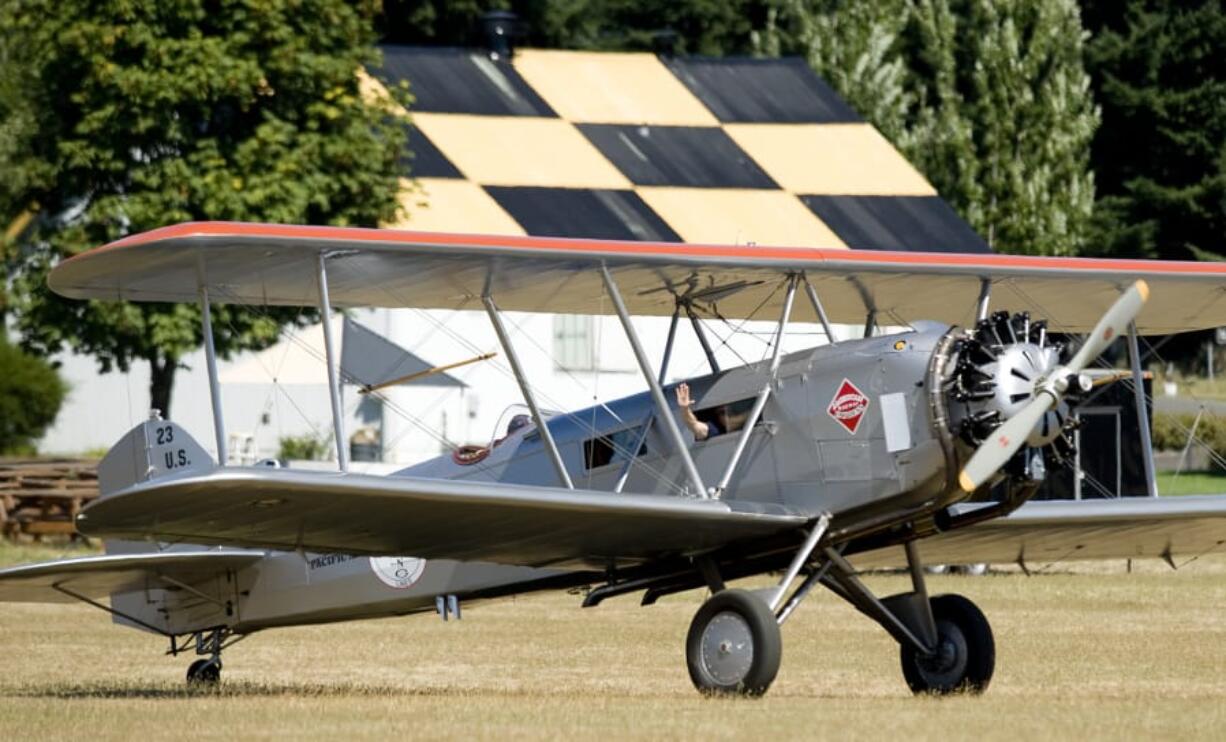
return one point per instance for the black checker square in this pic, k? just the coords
(916, 223)
(455, 80)
(758, 91)
(682, 156)
(421, 158)
(582, 213)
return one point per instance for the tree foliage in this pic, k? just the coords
(30, 397)
(1160, 74)
(989, 99)
(711, 27)
(134, 114)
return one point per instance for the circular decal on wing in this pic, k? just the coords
(398, 572)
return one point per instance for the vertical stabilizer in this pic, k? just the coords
(154, 449)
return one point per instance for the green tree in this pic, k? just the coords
(1032, 121)
(30, 397)
(855, 47)
(708, 27)
(151, 112)
(1160, 157)
(989, 99)
(711, 27)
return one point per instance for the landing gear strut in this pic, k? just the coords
(945, 642)
(734, 644)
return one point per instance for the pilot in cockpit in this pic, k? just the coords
(717, 420)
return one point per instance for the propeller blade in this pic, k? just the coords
(996, 451)
(1113, 324)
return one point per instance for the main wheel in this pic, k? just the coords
(204, 672)
(734, 646)
(966, 652)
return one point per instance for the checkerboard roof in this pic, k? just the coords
(630, 146)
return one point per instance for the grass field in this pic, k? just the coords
(1191, 483)
(1096, 653)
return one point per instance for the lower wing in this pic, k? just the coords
(428, 518)
(1041, 532)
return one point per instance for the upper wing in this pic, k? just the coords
(95, 577)
(277, 264)
(1055, 531)
(356, 514)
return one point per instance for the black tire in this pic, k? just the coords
(730, 620)
(204, 672)
(966, 656)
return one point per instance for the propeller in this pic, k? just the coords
(1005, 441)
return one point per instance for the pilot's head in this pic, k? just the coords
(517, 422)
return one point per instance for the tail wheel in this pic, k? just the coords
(204, 673)
(734, 646)
(966, 652)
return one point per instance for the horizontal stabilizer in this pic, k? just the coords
(98, 576)
(429, 518)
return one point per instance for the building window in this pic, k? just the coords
(574, 342)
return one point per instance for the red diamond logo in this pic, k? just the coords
(848, 406)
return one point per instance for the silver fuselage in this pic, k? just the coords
(884, 451)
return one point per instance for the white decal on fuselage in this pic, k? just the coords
(398, 572)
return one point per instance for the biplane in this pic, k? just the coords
(898, 447)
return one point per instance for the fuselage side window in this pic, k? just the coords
(612, 447)
(727, 418)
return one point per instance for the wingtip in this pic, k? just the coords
(1143, 289)
(964, 481)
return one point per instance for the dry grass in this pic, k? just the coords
(1094, 654)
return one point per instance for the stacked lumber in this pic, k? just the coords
(42, 498)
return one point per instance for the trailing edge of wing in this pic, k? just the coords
(1042, 532)
(94, 577)
(360, 514)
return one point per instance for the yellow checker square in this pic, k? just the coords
(519, 151)
(830, 159)
(611, 88)
(450, 205)
(739, 216)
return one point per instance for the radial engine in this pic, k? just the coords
(995, 369)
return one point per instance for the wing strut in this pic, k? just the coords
(638, 444)
(1138, 390)
(210, 362)
(821, 310)
(554, 455)
(985, 296)
(760, 402)
(334, 388)
(657, 393)
(702, 338)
